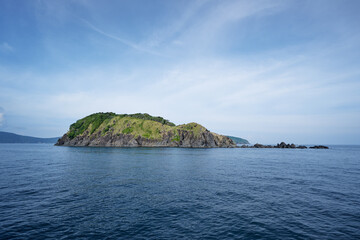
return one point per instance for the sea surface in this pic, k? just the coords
(170, 193)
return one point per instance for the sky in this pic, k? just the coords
(268, 71)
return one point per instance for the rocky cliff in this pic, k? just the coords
(139, 130)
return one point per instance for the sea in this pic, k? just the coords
(49, 192)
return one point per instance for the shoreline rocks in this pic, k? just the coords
(319, 147)
(284, 145)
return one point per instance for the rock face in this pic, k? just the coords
(125, 131)
(187, 139)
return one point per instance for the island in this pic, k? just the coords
(7, 137)
(238, 140)
(140, 130)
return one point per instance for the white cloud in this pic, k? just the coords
(259, 98)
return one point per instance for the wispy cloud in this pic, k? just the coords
(1, 116)
(6, 47)
(123, 41)
(176, 27)
(210, 26)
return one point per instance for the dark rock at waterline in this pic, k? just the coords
(262, 146)
(283, 145)
(319, 147)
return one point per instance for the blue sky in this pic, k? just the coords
(267, 71)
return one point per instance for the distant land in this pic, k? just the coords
(140, 130)
(6, 137)
(238, 140)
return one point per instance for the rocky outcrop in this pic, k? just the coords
(283, 145)
(319, 147)
(183, 138)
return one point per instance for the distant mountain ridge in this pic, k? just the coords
(7, 137)
(238, 140)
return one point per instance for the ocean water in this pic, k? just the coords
(169, 193)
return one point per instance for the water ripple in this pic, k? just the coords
(153, 193)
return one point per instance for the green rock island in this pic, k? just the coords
(139, 130)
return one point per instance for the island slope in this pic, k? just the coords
(139, 130)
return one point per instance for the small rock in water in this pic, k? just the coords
(319, 147)
(283, 145)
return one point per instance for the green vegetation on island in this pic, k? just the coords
(139, 124)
